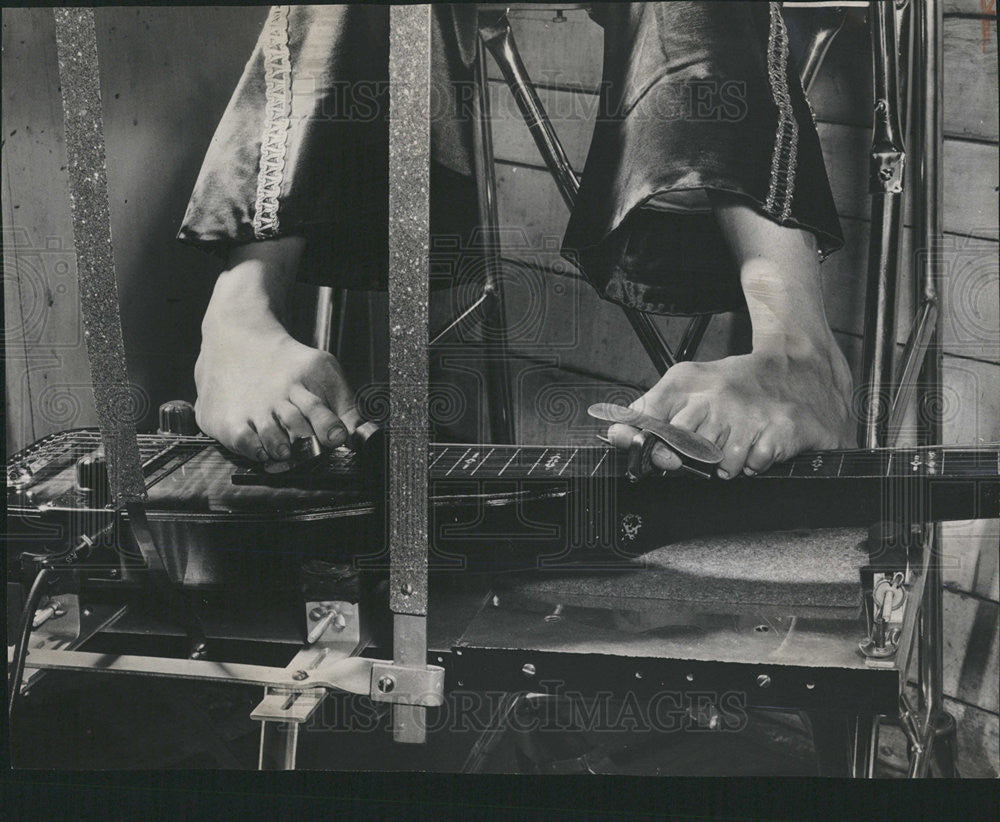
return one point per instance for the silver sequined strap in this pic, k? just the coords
(76, 41)
(784, 157)
(409, 244)
(277, 110)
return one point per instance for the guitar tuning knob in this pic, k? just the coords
(19, 477)
(91, 478)
(177, 417)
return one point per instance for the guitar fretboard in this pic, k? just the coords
(540, 462)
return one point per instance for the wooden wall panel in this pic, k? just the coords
(842, 92)
(163, 93)
(48, 377)
(970, 183)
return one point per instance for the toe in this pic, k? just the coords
(292, 420)
(664, 459)
(273, 437)
(762, 456)
(690, 417)
(734, 455)
(325, 424)
(620, 436)
(244, 441)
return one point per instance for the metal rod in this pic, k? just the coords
(494, 326)
(864, 755)
(693, 335)
(912, 361)
(886, 186)
(832, 21)
(471, 313)
(499, 39)
(929, 236)
(323, 325)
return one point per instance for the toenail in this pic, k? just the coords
(284, 451)
(261, 455)
(749, 472)
(723, 474)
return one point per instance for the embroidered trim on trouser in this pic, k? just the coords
(278, 88)
(786, 138)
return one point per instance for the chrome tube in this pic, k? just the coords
(323, 324)
(831, 21)
(693, 335)
(886, 186)
(921, 333)
(499, 39)
(930, 127)
(494, 324)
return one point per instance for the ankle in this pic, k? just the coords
(795, 345)
(242, 299)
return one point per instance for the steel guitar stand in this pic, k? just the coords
(907, 41)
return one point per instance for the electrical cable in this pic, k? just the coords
(21, 649)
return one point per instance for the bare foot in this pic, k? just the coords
(760, 408)
(793, 393)
(258, 387)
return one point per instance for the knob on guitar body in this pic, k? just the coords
(177, 417)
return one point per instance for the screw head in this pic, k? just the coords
(763, 681)
(298, 676)
(528, 669)
(386, 684)
(406, 589)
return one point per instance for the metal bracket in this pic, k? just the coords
(886, 169)
(889, 597)
(281, 713)
(408, 685)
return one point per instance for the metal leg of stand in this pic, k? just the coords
(937, 728)
(278, 745)
(864, 739)
(831, 21)
(833, 741)
(886, 187)
(494, 734)
(494, 324)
